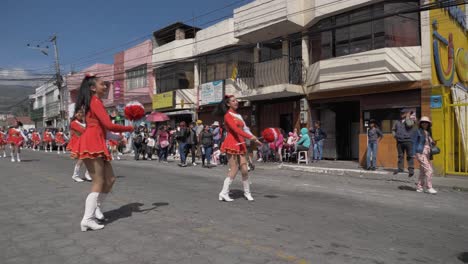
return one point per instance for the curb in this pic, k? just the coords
(333, 171)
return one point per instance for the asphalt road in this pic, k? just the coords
(161, 213)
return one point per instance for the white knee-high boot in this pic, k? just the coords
(18, 157)
(247, 193)
(88, 218)
(87, 176)
(76, 173)
(98, 213)
(224, 194)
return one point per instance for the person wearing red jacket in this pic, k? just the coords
(234, 146)
(77, 127)
(91, 147)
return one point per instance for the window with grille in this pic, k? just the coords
(136, 78)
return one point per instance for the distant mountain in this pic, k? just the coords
(12, 96)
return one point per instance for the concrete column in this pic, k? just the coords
(256, 55)
(305, 50)
(179, 34)
(285, 48)
(196, 76)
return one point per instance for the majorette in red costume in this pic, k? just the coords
(36, 138)
(60, 138)
(2, 138)
(48, 137)
(76, 130)
(16, 137)
(233, 144)
(92, 143)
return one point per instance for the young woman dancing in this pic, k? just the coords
(16, 139)
(48, 138)
(36, 140)
(60, 139)
(92, 149)
(234, 147)
(77, 127)
(3, 141)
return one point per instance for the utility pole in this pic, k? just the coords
(62, 111)
(58, 76)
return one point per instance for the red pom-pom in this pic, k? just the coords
(134, 111)
(271, 134)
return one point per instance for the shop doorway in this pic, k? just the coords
(286, 122)
(347, 130)
(340, 121)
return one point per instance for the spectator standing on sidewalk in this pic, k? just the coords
(318, 136)
(137, 138)
(217, 133)
(181, 137)
(206, 143)
(402, 131)
(423, 143)
(374, 135)
(192, 142)
(163, 143)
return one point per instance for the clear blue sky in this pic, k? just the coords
(84, 27)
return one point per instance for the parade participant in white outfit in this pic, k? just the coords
(16, 139)
(3, 141)
(76, 129)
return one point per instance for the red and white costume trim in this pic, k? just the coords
(237, 131)
(16, 137)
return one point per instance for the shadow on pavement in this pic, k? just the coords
(463, 257)
(407, 188)
(29, 160)
(128, 209)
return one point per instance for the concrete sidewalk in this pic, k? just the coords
(352, 169)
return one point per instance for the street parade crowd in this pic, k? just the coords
(94, 140)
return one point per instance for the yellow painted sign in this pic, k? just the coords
(163, 100)
(449, 43)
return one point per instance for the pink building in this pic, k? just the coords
(133, 78)
(73, 81)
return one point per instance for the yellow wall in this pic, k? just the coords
(447, 25)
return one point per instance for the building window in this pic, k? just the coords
(343, 34)
(39, 102)
(271, 51)
(238, 64)
(174, 77)
(50, 97)
(136, 78)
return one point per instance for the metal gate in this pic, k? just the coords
(455, 145)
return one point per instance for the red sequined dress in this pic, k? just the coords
(92, 143)
(235, 134)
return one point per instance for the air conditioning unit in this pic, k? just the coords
(304, 106)
(304, 117)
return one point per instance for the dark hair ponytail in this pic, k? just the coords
(84, 94)
(222, 108)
